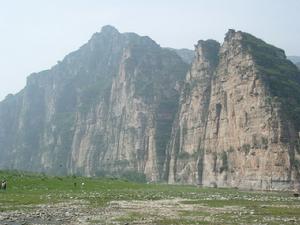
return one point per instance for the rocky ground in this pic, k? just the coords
(117, 212)
(33, 199)
(172, 211)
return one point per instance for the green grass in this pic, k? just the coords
(131, 217)
(215, 206)
(180, 221)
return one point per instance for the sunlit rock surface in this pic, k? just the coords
(238, 120)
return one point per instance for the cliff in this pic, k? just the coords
(238, 121)
(104, 109)
(122, 104)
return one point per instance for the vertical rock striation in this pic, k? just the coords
(106, 108)
(238, 120)
(121, 103)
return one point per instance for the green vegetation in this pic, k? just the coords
(175, 204)
(281, 75)
(231, 149)
(265, 142)
(246, 148)
(224, 159)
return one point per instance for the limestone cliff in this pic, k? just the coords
(238, 121)
(106, 108)
(121, 103)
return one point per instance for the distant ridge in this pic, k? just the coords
(187, 55)
(294, 59)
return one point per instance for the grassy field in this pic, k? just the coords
(113, 201)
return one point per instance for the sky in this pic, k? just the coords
(35, 34)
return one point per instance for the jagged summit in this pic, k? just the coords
(233, 34)
(110, 34)
(208, 51)
(253, 43)
(109, 29)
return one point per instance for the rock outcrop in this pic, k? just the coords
(122, 104)
(238, 122)
(106, 108)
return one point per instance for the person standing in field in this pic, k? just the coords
(3, 184)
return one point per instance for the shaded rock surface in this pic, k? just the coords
(106, 108)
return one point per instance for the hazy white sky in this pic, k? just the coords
(35, 34)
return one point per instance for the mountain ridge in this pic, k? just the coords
(91, 83)
(121, 103)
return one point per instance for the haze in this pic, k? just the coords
(36, 34)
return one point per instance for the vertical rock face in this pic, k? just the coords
(106, 108)
(190, 124)
(236, 125)
(121, 103)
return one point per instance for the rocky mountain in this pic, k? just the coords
(239, 120)
(106, 108)
(298, 64)
(187, 55)
(121, 103)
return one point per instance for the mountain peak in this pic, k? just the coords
(208, 51)
(233, 35)
(109, 29)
